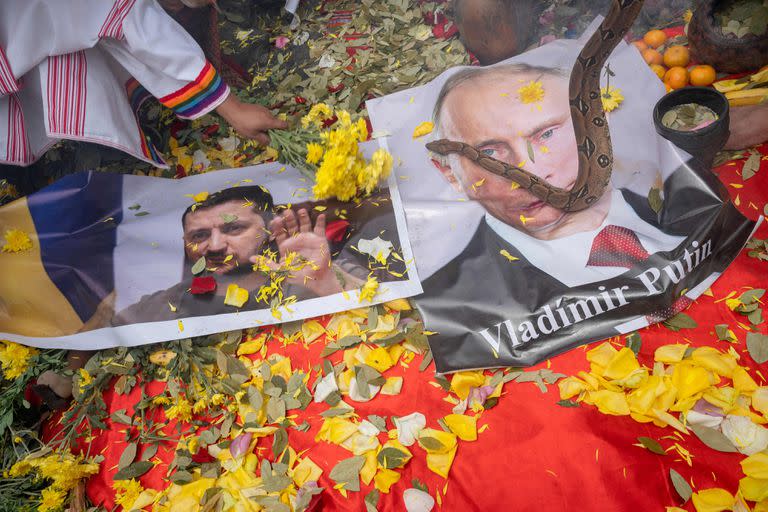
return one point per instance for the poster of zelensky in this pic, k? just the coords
(127, 260)
(509, 280)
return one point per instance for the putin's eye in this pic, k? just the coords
(547, 133)
(488, 151)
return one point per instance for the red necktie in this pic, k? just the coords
(616, 246)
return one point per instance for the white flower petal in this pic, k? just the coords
(748, 437)
(355, 396)
(377, 249)
(367, 428)
(325, 387)
(417, 500)
(408, 427)
(706, 420)
(326, 61)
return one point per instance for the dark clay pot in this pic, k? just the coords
(726, 53)
(704, 143)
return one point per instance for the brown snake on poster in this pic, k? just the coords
(593, 139)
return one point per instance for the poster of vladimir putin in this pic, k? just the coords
(510, 280)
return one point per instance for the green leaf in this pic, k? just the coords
(721, 330)
(371, 500)
(681, 485)
(751, 165)
(634, 342)
(135, 207)
(134, 470)
(279, 442)
(199, 266)
(128, 456)
(347, 472)
(275, 410)
(378, 421)
(391, 458)
(652, 445)
(751, 296)
(181, 477)
(654, 200)
(141, 214)
(418, 484)
(228, 217)
(713, 438)
(149, 452)
(567, 403)
(680, 321)
(530, 151)
(757, 345)
(430, 443)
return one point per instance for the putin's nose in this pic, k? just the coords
(217, 242)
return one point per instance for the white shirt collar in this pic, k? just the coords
(565, 258)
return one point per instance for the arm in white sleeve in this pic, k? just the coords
(167, 61)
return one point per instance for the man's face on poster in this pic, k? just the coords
(486, 113)
(224, 230)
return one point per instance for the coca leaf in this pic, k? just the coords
(652, 445)
(757, 345)
(128, 456)
(134, 470)
(681, 485)
(713, 438)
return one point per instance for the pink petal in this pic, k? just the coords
(240, 445)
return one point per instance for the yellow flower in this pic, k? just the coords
(314, 153)
(369, 289)
(611, 98)
(200, 197)
(84, 379)
(317, 114)
(65, 469)
(423, 129)
(126, 492)
(385, 478)
(181, 410)
(162, 357)
(687, 15)
(14, 358)
(532, 92)
(16, 240)
(51, 499)
(161, 400)
(306, 471)
(712, 500)
(20, 468)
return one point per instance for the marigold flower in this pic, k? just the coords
(314, 153)
(181, 411)
(126, 492)
(611, 98)
(16, 240)
(532, 92)
(14, 359)
(51, 499)
(423, 129)
(369, 289)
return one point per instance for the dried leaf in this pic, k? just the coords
(652, 445)
(681, 485)
(128, 456)
(757, 345)
(199, 266)
(134, 470)
(713, 438)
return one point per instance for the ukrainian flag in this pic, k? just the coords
(55, 288)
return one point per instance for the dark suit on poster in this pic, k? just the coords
(481, 289)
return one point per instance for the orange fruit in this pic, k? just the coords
(669, 89)
(654, 38)
(676, 56)
(659, 70)
(676, 77)
(651, 56)
(640, 45)
(703, 75)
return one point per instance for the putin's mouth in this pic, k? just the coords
(531, 207)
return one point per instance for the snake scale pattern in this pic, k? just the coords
(593, 138)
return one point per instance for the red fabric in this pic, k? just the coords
(336, 230)
(616, 246)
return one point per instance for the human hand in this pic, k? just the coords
(249, 120)
(295, 234)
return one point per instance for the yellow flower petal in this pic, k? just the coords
(162, 357)
(369, 468)
(251, 346)
(570, 387)
(756, 466)
(311, 330)
(690, 380)
(306, 471)
(447, 440)
(392, 386)
(422, 129)
(379, 359)
(236, 296)
(465, 427)
(754, 489)
(608, 402)
(200, 196)
(714, 360)
(670, 353)
(385, 478)
(712, 500)
(760, 400)
(398, 305)
(441, 463)
(621, 365)
(600, 356)
(461, 382)
(743, 381)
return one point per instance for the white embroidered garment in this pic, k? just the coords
(79, 70)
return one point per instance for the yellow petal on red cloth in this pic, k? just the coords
(465, 427)
(712, 500)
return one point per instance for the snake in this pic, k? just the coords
(593, 138)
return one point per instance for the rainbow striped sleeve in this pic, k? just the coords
(198, 97)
